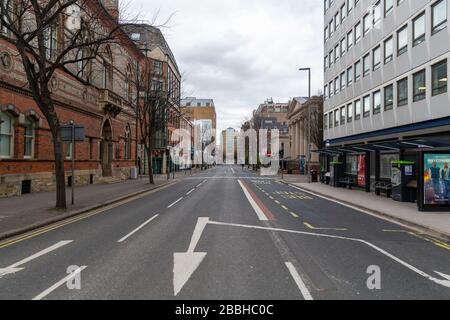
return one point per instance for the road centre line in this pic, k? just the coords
(192, 190)
(174, 203)
(298, 280)
(59, 284)
(138, 228)
(445, 283)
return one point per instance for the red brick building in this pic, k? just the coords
(105, 107)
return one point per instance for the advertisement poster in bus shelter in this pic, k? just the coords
(361, 171)
(437, 178)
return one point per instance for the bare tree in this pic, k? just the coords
(153, 115)
(52, 36)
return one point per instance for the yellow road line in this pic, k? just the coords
(309, 226)
(294, 214)
(57, 225)
(424, 237)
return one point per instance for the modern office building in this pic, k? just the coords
(386, 94)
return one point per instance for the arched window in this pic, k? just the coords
(128, 84)
(29, 138)
(6, 135)
(51, 38)
(108, 67)
(127, 143)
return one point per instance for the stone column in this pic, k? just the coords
(302, 138)
(293, 129)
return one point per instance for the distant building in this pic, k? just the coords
(229, 145)
(271, 116)
(166, 78)
(301, 110)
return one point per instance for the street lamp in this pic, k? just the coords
(309, 124)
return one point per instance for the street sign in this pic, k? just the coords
(66, 133)
(73, 133)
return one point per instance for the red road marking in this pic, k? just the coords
(258, 201)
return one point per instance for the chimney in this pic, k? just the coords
(112, 6)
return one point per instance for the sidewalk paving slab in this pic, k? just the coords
(434, 223)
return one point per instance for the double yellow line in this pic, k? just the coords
(60, 224)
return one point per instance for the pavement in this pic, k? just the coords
(436, 223)
(18, 214)
(225, 234)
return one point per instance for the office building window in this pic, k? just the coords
(367, 23)
(357, 109)
(402, 40)
(349, 112)
(388, 50)
(376, 58)
(342, 116)
(366, 106)
(419, 86)
(357, 32)
(357, 71)
(366, 65)
(377, 12)
(439, 78)
(349, 40)
(349, 76)
(402, 92)
(376, 102)
(419, 28)
(439, 16)
(389, 97)
(388, 7)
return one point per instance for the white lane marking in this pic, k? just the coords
(175, 203)
(259, 212)
(15, 267)
(199, 227)
(192, 190)
(199, 185)
(138, 228)
(445, 283)
(59, 284)
(232, 170)
(298, 280)
(185, 264)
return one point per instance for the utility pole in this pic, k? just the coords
(309, 124)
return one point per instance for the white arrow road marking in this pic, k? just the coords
(259, 212)
(175, 203)
(59, 284)
(442, 282)
(298, 280)
(15, 267)
(185, 264)
(138, 228)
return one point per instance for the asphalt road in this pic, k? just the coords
(226, 234)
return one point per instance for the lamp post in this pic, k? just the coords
(309, 124)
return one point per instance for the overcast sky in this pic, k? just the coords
(241, 52)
